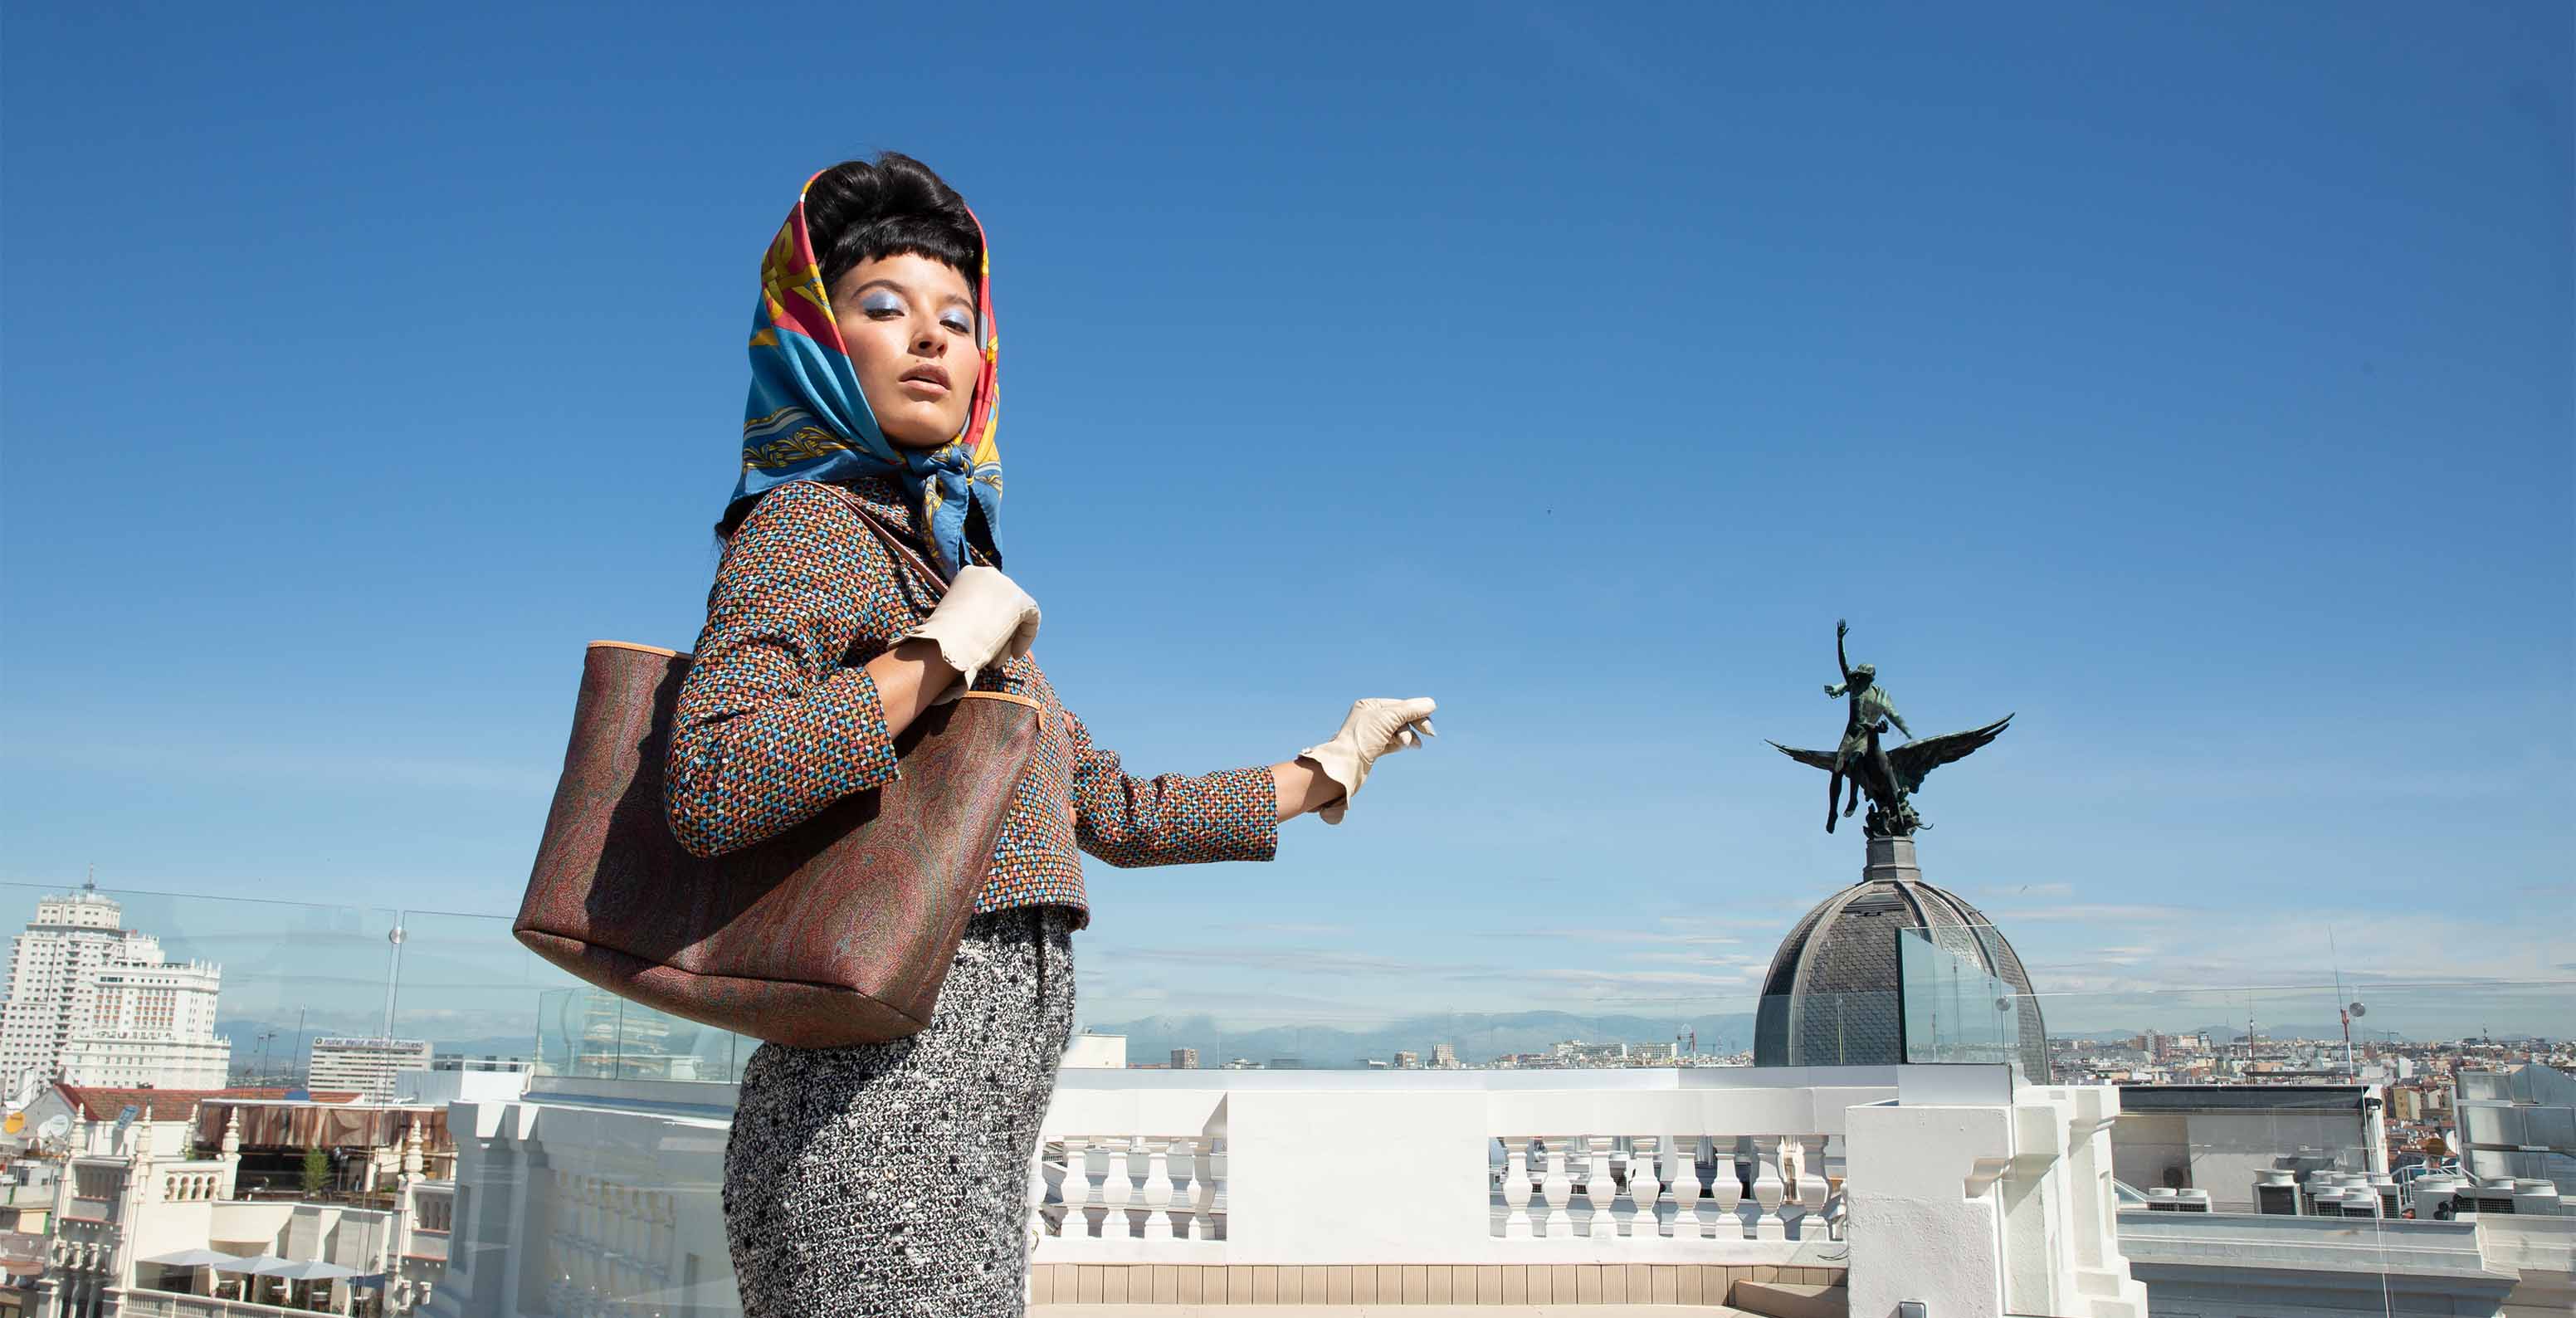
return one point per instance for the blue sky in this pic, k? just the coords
(2195, 383)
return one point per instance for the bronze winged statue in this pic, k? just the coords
(1890, 775)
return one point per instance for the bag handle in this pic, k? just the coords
(893, 541)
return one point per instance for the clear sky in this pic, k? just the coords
(2194, 381)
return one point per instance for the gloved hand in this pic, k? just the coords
(984, 617)
(1374, 728)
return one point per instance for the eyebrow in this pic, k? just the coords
(882, 282)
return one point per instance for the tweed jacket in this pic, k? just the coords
(776, 718)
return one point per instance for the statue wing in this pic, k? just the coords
(1820, 759)
(1915, 760)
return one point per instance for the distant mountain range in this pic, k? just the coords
(2229, 1034)
(1477, 1036)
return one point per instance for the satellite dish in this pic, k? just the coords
(2358, 1010)
(15, 1122)
(55, 1127)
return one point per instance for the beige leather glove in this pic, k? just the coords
(1374, 728)
(984, 617)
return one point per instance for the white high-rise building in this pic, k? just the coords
(54, 970)
(151, 1023)
(365, 1065)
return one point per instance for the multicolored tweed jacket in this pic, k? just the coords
(777, 719)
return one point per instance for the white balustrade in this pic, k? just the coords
(1140, 1192)
(1790, 1189)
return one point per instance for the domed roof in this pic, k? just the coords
(1831, 997)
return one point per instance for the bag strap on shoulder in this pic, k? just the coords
(894, 541)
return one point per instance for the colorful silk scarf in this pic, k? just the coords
(808, 421)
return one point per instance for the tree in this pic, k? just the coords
(317, 1169)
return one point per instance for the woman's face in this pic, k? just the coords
(909, 323)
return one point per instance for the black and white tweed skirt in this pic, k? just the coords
(892, 1178)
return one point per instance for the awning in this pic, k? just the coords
(190, 1258)
(260, 1264)
(308, 1270)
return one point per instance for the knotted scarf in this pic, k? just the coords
(807, 419)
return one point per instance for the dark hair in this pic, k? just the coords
(866, 211)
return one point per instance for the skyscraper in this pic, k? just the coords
(93, 1002)
(1185, 1059)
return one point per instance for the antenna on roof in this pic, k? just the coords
(90, 884)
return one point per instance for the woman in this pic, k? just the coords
(892, 1178)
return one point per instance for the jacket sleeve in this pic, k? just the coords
(1170, 819)
(770, 727)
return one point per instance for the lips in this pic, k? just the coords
(935, 376)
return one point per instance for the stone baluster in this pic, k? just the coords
(1811, 1173)
(1037, 1197)
(1768, 1189)
(1729, 1189)
(1203, 1188)
(1118, 1189)
(1207, 1177)
(1158, 1190)
(1516, 1187)
(1077, 1188)
(1600, 1189)
(1681, 1170)
(1558, 1188)
(1645, 1188)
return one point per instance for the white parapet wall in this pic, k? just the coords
(581, 1193)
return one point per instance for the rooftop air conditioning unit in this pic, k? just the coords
(2276, 1193)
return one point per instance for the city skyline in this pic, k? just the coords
(307, 971)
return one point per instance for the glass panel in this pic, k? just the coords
(471, 989)
(1953, 1010)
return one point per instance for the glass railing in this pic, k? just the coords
(1952, 1007)
(465, 979)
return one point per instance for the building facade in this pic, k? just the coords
(365, 1065)
(150, 1023)
(149, 1177)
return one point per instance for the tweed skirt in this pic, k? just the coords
(892, 1178)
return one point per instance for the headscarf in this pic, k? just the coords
(807, 419)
